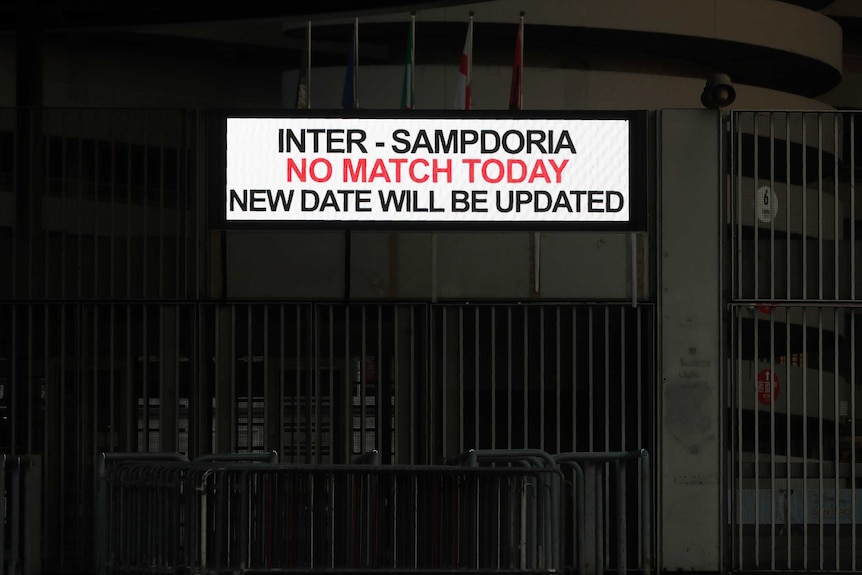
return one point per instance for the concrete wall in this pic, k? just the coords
(689, 295)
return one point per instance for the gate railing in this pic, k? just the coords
(483, 511)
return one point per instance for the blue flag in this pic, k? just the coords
(348, 97)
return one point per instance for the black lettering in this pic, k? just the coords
(333, 137)
(468, 138)
(355, 138)
(595, 201)
(315, 132)
(542, 206)
(494, 146)
(609, 205)
(562, 202)
(309, 195)
(446, 144)
(400, 137)
(393, 199)
(565, 142)
(460, 201)
(519, 141)
(258, 200)
(422, 143)
(508, 207)
(536, 138)
(235, 200)
(279, 199)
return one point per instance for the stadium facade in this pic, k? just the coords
(148, 308)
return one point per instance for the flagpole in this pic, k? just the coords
(356, 63)
(521, 57)
(412, 59)
(308, 60)
(469, 104)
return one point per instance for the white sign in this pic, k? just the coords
(767, 204)
(427, 170)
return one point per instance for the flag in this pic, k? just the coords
(463, 99)
(349, 97)
(303, 82)
(407, 93)
(515, 94)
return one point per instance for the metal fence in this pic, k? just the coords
(20, 515)
(265, 517)
(486, 511)
(793, 409)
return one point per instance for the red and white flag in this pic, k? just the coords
(463, 100)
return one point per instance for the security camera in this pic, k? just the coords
(718, 92)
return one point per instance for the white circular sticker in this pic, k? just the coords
(766, 204)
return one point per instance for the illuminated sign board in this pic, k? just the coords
(480, 172)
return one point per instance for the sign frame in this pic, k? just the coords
(639, 187)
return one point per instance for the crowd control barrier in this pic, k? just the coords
(20, 515)
(220, 515)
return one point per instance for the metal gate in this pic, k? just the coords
(794, 445)
(109, 341)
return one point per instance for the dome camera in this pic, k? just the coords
(718, 92)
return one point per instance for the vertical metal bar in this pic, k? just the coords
(772, 485)
(754, 220)
(412, 377)
(772, 198)
(31, 364)
(249, 391)
(590, 378)
(542, 415)
(384, 398)
(161, 185)
(646, 514)
(363, 391)
(509, 376)
(757, 360)
(180, 211)
(607, 393)
(619, 474)
(476, 378)
(575, 377)
(787, 205)
(397, 421)
(233, 422)
(282, 382)
(526, 377)
(820, 440)
(297, 383)
(96, 199)
(145, 388)
(145, 207)
(461, 345)
(835, 214)
(788, 351)
(265, 394)
(852, 323)
(493, 377)
(623, 390)
(853, 484)
(737, 212)
(788, 519)
(820, 290)
(81, 181)
(805, 357)
(737, 460)
(558, 378)
(836, 413)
